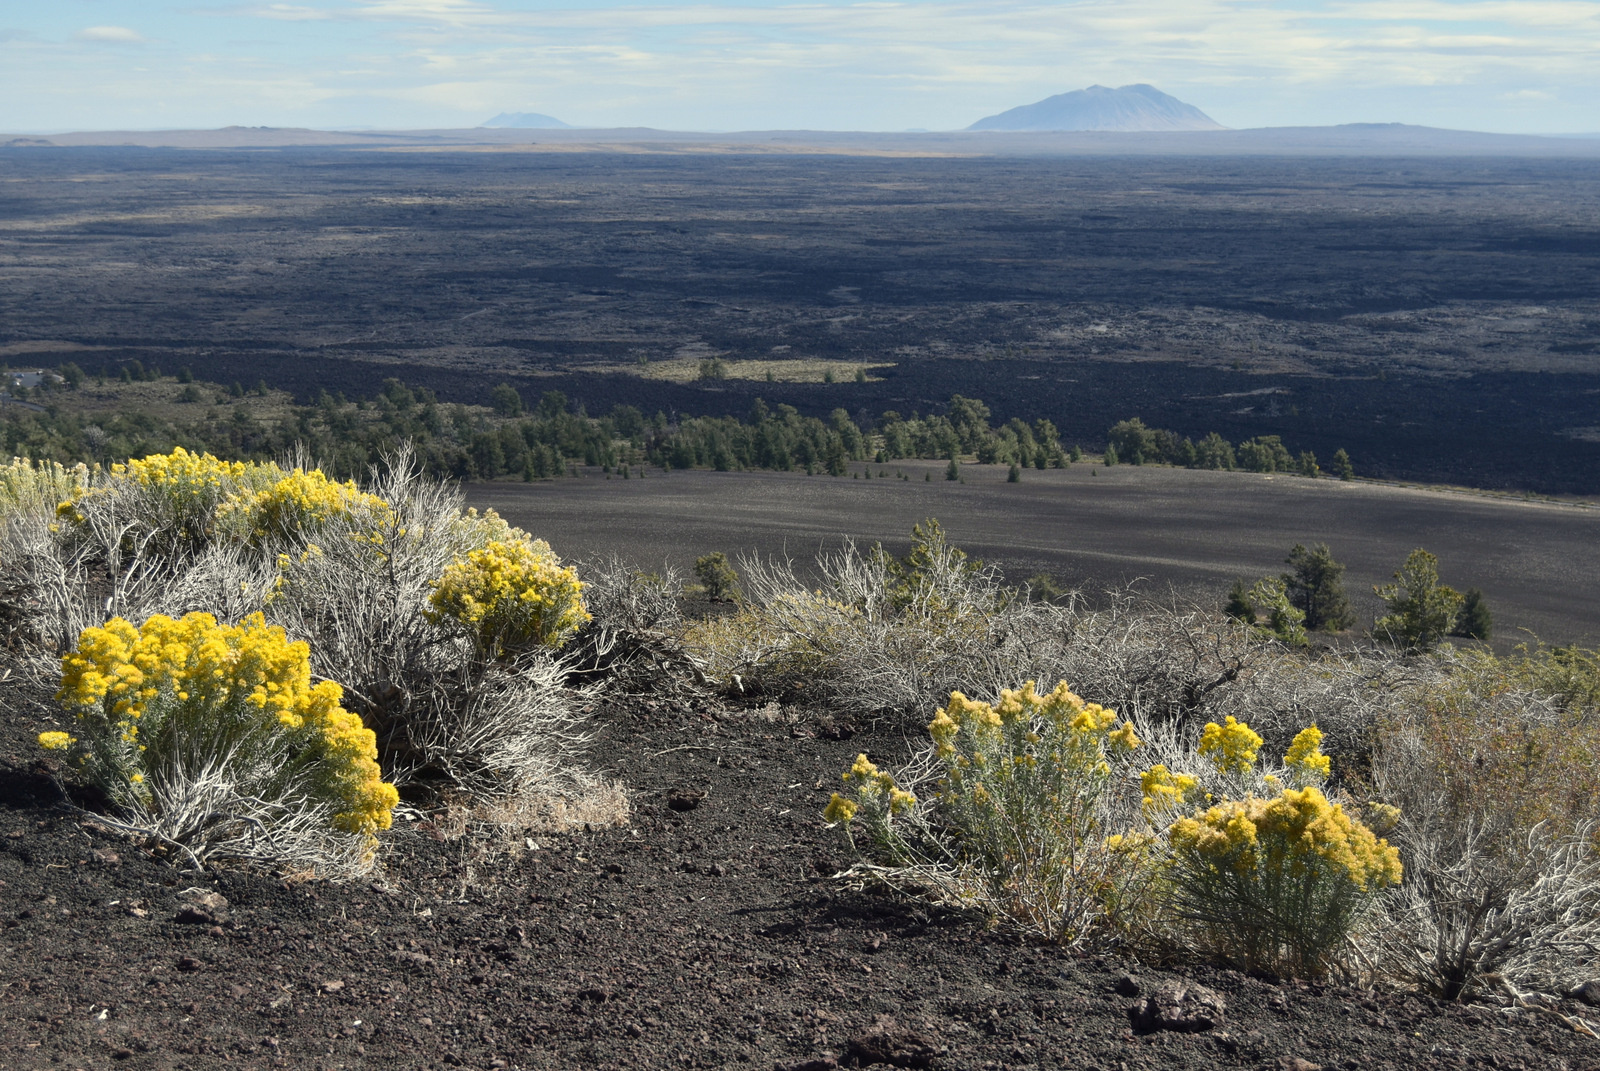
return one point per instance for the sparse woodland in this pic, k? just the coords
(254, 664)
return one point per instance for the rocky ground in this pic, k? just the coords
(711, 936)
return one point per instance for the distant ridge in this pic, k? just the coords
(1127, 108)
(527, 121)
(1354, 139)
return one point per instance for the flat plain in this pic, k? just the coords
(1437, 317)
(1169, 530)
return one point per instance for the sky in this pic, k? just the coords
(1515, 66)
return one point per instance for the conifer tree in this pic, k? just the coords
(1422, 611)
(1316, 588)
(1475, 622)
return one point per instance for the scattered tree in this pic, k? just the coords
(1239, 606)
(1316, 588)
(1042, 587)
(717, 577)
(1214, 452)
(1422, 611)
(1475, 622)
(1341, 465)
(506, 401)
(1284, 621)
(1133, 442)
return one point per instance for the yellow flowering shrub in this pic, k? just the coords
(510, 595)
(1305, 760)
(1232, 747)
(173, 700)
(1017, 805)
(877, 800)
(192, 477)
(178, 494)
(26, 484)
(302, 503)
(1165, 791)
(1273, 883)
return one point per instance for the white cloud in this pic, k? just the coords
(287, 13)
(118, 35)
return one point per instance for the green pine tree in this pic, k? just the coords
(1422, 611)
(1316, 588)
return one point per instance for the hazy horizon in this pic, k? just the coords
(714, 66)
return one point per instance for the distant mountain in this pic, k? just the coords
(1137, 107)
(527, 121)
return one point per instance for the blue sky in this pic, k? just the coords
(1526, 66)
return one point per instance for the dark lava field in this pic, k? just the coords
(1439, 318)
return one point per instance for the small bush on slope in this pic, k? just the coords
(1265, 871)
(1501, 799)
(480, 706)
(1027, 815)
(213, 738)
(1016, 812)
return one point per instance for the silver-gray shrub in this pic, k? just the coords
(1502, 884)
(447, 718)
(633, 639)
(862, 641)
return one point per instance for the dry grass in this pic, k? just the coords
(796, 370)
(160, 399)
(852, 647)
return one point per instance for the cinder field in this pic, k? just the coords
(1092, 527)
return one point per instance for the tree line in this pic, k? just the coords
(507, 438)
(1131, 442)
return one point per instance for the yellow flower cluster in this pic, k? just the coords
(183, 475)
(509, 595)
(56, 741)
(1232, 747)
(1165, 791)
(198, 671)
(303, 502)
(1305, 757)
(840, 810)
(1058, 710)
(1286, 836)
(877, 792)
(873, 782)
